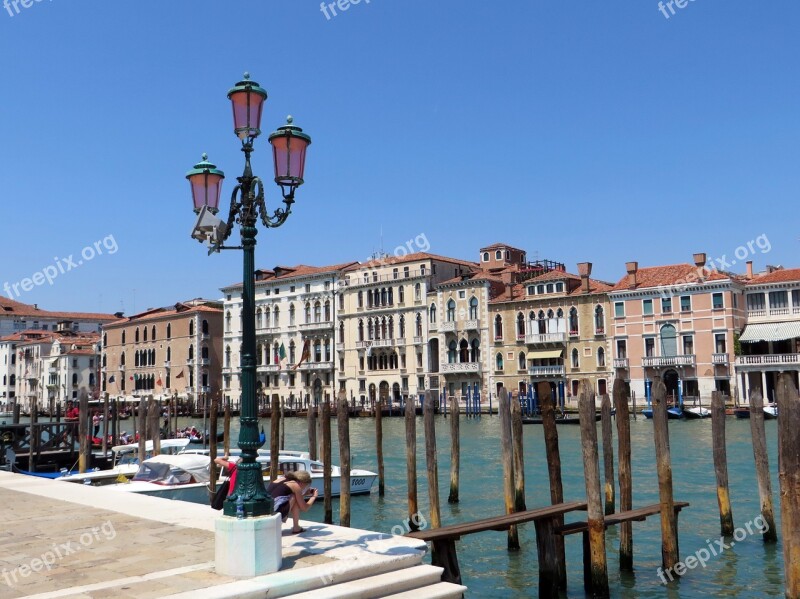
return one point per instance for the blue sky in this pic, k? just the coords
(597, 131)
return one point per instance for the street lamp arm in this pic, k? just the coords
(279, 216)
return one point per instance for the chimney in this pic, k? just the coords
(585, 271)
(632, 268)
(749, 269)
(700, 262)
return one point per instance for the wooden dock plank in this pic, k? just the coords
(636, 515)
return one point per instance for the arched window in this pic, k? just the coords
(317, 350)
(259, 354)
(599, 320)
(341, 332)
(402, 327)
(401, 294)
(191, 352)
(520, 325)
(360, 299)
(419, 325)
(308, 312)
(191, 327)
(169, 331)
(384, 329)
(169, 354)
(391, 298)
(276, 317)
(498, 361)
(327, 311)
(575, 361)
(498, 328)
(144, 332)
(417, 292)
(542, 323)
(136, 335)
(370, 332)
(228, 356)
(669, 341)
(267, 318)
(573, 321)
(291, 315)
(123, 337)
(432, 313)
(451, 352)
(317, 312)
(153, 333)
(521, 360)
(390, 331)
(136, 359)
(451, 311)
(463, 351)
(205, 329)
(74, 379)
(361, 330)
(292, 352)
(475, 351)
(327, 350)
(601, 357)
(276, 353)
(384, 297)
(473, 308)
(122, 359)
(228, 322)
(105, 340)
(498, 255)
(486, 259)
(104, 364)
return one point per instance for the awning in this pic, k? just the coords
(543, 354)
(778, 331)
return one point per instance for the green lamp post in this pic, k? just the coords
(248, 206)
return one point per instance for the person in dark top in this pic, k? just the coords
(287, 493)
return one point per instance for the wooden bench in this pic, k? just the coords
(444, 538)
(637, 515)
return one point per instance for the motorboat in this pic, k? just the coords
(185, 477)
(125, 463)
(361, 481)
(696, 412)
(771, 411)
(674, 413)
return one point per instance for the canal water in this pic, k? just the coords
(745, 568)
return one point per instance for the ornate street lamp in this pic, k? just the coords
(289, 145)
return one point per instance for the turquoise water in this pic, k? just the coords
(749, 569)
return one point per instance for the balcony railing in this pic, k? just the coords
(769, 360)
(357, 282)
(720, 358)
(227, 370)
(778, 311)
(268, 368)
(204, 361)
(447, 327)
(546, 370)
(472, 325)
(756, 313)
(540, 338)
(621, 363)
(461, 367)
(310, 326)
(339, 346)
(316, 366)
(684, 360)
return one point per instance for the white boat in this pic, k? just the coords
(698, 412)
(361, 481)
(771, 411)
(184, 477)
(125, 463)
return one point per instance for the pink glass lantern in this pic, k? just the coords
(205, 180)
(247, 99)
(289, 145)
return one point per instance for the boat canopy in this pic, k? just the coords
(174, 469)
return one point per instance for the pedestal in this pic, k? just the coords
(248, 547)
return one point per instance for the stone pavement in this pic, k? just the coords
(66, 540)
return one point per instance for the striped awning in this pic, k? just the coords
(769, 331)
(544, 354)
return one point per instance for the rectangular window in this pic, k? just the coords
(622, 348)
(719, 343)
(666, 305)
(686, 303)
(405, 272)
(716, 301)
(755, 301)
(327, 285)
(650, 347)
(308, 287)
(291, 289)
(362, 384)
(395, 273)
(419, 360)
(688, 345)
(778, 299)
(619, 309)
(462, 294)
(402, 360)
(404, 383)
(647, 307)
(291, 380)
(420, 383)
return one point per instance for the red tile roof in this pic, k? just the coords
(415, 257)
(496, 246)
(9, 306)
(664, 276)
(784, 275)
(157, 313)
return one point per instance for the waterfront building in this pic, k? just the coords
(50, 368)
(165, 352)
(770, 343)
(18, 318)
(296, 310)
(386, 307)
(550, 326)
(676, 323)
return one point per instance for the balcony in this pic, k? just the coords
(545, 338)
(621, 363)
(227, 370)
(662, 361)
(756, 313)
(204, 361)
(722, 359)
(267, 330)
(316, 326)
(340, 346)
(270, 368)
(418, 340)
(358, 282)
(472, 325)
(546, 371)
(316, 366)
(433, 326)
(447, 327)
(460, 368)
(767, 361)
(122, 367)
(205, 337)
(779, 311)
(166, 363)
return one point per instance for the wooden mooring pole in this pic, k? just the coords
(770, 534)
(379, 444)
(226, 431)
(153, 417)
(432, 460)
(597, 582)
(311, 422)
(343, 420)
(106, 427)
(274, 438)
(283, 426)
(142, 422)
(550, 547)
(789, 479)
(326, 459)
(33, 445)
(212, 446)
(608, 454)
(669, 529)
(455, 449)
(721, 463)
(507, 456)
(625, 480)
(84, 444)
(518, 453)
(411, 465)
